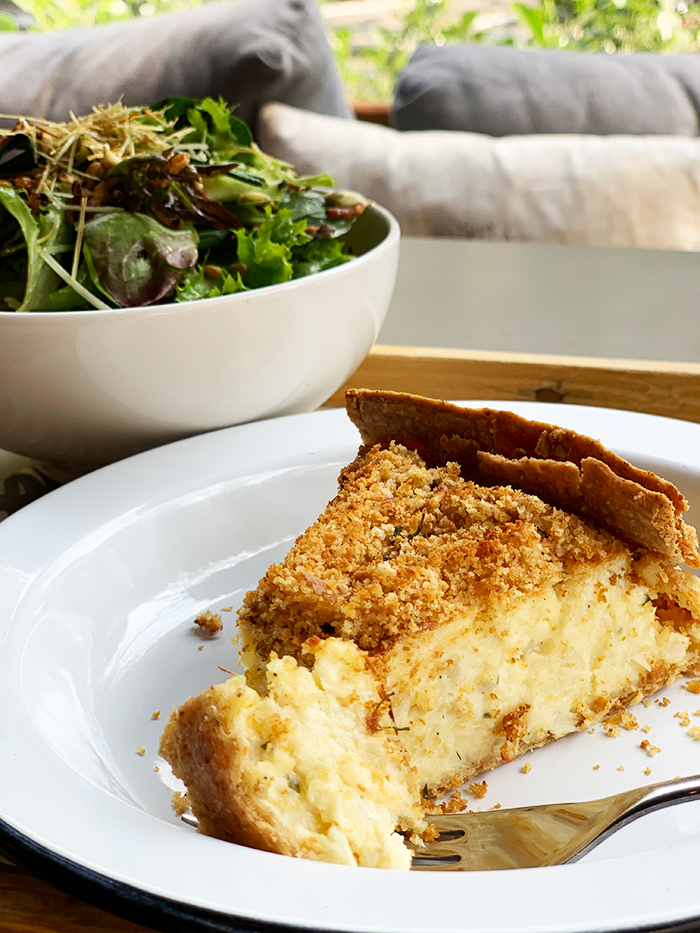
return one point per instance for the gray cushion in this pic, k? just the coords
(247, 51)
(502, 91)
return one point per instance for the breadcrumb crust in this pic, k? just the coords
(405, 548)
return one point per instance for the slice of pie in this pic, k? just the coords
(481, 585)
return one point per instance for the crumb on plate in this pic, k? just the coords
(180, 802)
(209, 622)
(478, 789)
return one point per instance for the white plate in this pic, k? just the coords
(100, 582)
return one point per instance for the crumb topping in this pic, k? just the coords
(406, 548)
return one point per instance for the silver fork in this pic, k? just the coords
(553, 834)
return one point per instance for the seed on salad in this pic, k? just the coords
(238, 267)
(212, 272)
(179, 161)
(253, 196)
(347, 199)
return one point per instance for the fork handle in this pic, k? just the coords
(645, 800)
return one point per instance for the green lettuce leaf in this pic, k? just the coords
(41, 231)
(312, 206)
(212, 121)
(68, 299)
(197, 285)
(318, 255)
(267, 251)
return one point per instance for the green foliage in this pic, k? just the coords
(50, 15)
(7, 23)
(611, 25)
(370, 71)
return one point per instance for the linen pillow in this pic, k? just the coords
(624, 191)
(247, 51)
(503, 91)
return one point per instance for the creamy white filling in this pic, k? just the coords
(317, 773)
(594, 636)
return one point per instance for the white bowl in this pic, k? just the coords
(91, 387)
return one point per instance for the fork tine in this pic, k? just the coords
(501, 839)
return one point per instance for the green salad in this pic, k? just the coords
(173, 202)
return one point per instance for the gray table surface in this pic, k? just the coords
(533, 298)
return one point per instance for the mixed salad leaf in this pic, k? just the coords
(173, 202)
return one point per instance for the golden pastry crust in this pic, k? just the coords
(566, 469)
(213, 761)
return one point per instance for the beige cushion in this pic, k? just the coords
(625, 191)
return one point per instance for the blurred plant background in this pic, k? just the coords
(370, 69)
(370, 60)
(47, 15)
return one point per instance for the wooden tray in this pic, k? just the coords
(28, 904)
(670, 389)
